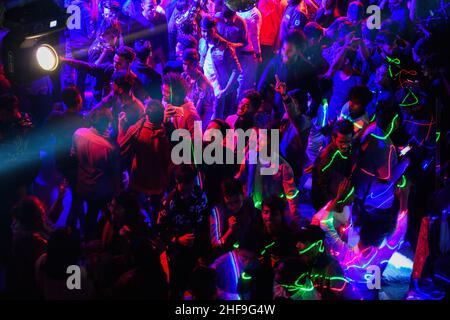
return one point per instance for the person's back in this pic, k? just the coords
(97, 157)
(150, 81)
(149, 145)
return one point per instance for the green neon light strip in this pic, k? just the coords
(357, 125)
(390, 130)
(330, 220)
(267, 247)
(395, 61)
(245, 276)
(236, 245)
(318, 243)
(373, 118)
(293, 196)
(348, 195)
(332, 159)
(438, 135)
(416, 100)
(403, 184)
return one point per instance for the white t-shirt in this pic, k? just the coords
(210, 71)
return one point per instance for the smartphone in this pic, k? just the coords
(405, 150)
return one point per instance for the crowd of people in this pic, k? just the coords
(87, 176)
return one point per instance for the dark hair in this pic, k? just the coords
(111, 4)
(63, 250)
(69, 96)
(109, 27)
(254, 97)
(126, 52)
(313, 30)
(29, 212)
(191, 55)
(100, 117)
(360, 94)
(188, 41)
(275, 203)
(231, 187)
(143, 49)
(155, 111)
(123, 80)
(207, 22)
(223, 126)
(385, 37)
(177, 84)
(344, 127)
(297, 38)
(185, 173)
(203, 284)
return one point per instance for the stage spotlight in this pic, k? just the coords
(47, 57)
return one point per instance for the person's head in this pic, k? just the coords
(110, 32)
(63, 250)
(72, 98)
(355, 12)
(174, 89)
(382, 77)
(125, 209)
(185, 179)
(143, 50)
(359, 97)
(227, 12)
(203, 284)
(215, 124)
(123, 58)
(313, 32)
(185, 42)
(155, 111)
(100, 118)
(292, 46)
(181, 5)
(310, 243)
(389, 117)
(249, 104)
(9, 108)
(386, 42)
(233, 194)
(122, 82)
(273, 213)
(29, 214)
(208, 28)
(342, 135)
(110, 10)
(149, 9)
(190, 61)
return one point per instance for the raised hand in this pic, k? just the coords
(280, 86)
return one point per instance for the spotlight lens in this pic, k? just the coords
(47, 58)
